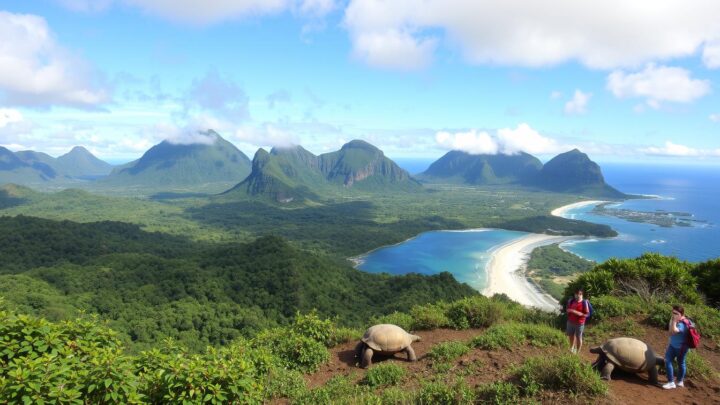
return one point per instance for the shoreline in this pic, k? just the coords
(505, 271)
(561, 211)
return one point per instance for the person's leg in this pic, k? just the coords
(681, 364)
(570, 332)
(669, 355)
(579, 337)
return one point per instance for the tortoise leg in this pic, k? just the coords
(410, 353)
(653, 375)
(599, 363)
(607, 370)
(367, 358)
(359, 350)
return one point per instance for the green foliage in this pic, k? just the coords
(512, 335)
(384, 374)
(498, 393)
(400, 319)
(338, 390)
(446, 351)
(556, 225)
(284, 383)
(172, 375)
(650, 276)
(708, 278)
(436, 393)
(552, 260)
(608, 306)
(294, 350)
(429, 316)
(699, 367)
(607, 329)
(566, 373)
(479, 312)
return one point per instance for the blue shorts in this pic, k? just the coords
(574, 329)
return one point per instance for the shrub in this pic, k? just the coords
(606, 329)
(321, 330)
(650, 276)
(294, 351)
(478, 312)
(608, 306)
(400, 319)
(708, 277)
(698, 367)
(436, 393)
(396, 396)
(282, 383)
(498, 393)
(384, 374)
(431, 316)
(564, 373)
(706, 319)
(448, 351)
(338, 390)
(510, 335)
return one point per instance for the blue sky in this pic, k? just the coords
(416, 78)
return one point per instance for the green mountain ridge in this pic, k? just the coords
(569, 172)
(37, 168)
(80, 163)
(168, 165)
(287, 174)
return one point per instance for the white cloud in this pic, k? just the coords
(201, 12)
(265, 135)
(714, 117)
(658, 84)
(608, 34)
(474, 142)
(677, 150)
(578, 104)
(556, 95)
(9, 116)
(394, 49)
(525, 139)
(711, 54)
(36, 71)
(507, 141)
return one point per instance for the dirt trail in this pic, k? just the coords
(483, 366)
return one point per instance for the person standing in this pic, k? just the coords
(577, 310)
(677, 348)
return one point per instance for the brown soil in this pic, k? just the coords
(483, 366)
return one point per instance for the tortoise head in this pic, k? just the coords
(415, 338)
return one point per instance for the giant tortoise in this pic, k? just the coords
(385, 339)
(631, 355)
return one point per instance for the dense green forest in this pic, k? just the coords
(150, 286)
(82, 361)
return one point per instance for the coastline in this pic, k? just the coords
(506, 271)
(561, 211)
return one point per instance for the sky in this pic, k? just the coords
(622, 81)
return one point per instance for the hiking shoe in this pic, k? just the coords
(573, 350)
(680, 384)
(669, 385)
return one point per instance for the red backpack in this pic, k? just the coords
(693, 336)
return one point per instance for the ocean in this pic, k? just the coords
(692, 189)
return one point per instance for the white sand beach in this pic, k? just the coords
(506, 271)
(561, 211)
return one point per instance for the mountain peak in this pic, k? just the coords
(360, 144)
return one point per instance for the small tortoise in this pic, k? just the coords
(628, 354)
(385, 339)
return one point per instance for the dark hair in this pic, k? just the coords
(580, 291)
(679, 309)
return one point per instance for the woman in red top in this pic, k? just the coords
(577, 311)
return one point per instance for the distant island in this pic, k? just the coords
(666, 219)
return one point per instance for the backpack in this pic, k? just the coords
(693, 336)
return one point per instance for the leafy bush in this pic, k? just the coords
(448, 351)
(384, 374)
(706, 319)
(708, 278)
(564, 373)
(698, 367)
(396, 396)
(607, 329)
(294, 350)
(324, 331)
(650, 276)
(498, 393)
(338, 390)
(283, 383)
(400, 319)
(608, 306)
(479, 312)
(430, 316)
(436, 393)
(511, 335)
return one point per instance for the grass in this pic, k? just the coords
(384, 375)
(512, 335)
(566, 373)
(446, 351)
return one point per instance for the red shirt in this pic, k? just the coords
(578, 306)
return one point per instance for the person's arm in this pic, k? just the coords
(672, 326)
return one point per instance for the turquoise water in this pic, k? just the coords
(689, 189)
(464, 254)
